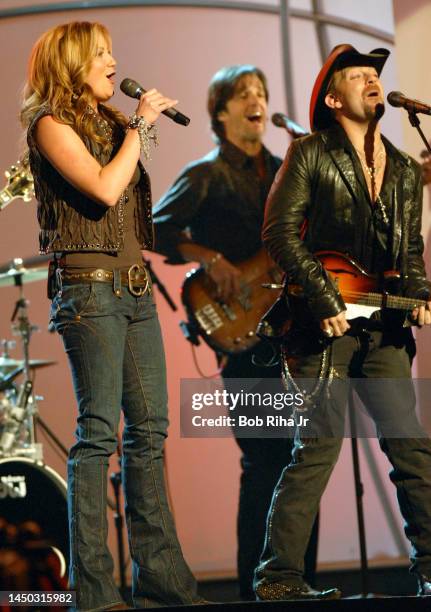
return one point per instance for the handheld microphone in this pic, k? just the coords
(295, 130)
(134, 90)
(398, 99)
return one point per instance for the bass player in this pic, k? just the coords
(213, 214)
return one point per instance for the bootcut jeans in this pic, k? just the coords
(116, 356)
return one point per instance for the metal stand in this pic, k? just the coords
(359, 494)
(20, 419)
(415, 122)
(115, 479)
(359, 488)
(161, 287)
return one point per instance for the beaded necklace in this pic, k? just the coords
(101, 123)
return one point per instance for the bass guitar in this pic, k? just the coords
(230, 327)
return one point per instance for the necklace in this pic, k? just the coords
(377, 163)
(101, 123)
(373, 172)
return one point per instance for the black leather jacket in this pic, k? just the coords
(70, 221)
(317, 183)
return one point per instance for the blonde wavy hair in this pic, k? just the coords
(58, 66)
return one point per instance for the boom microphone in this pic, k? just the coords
(396, 98)
(134, 90)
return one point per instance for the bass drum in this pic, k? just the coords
(31, 491)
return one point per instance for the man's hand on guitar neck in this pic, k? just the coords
(224, 274)
(335, 326)
(422, 315)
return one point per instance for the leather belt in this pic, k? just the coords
(136, 278)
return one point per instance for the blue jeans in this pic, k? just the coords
(117, 360)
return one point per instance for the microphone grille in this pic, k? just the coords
(278, 120)
(395, 98)
(131, 88)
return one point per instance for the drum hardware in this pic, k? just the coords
(9, 366)
(19, 274)
(19, 408)
(32, 491)
(16, 417)
(6, 382)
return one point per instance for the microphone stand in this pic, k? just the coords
(156, 281)
(116, 480)
(415, 122)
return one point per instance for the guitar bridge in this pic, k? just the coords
(208, 318)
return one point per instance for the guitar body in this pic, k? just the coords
(362, 292)
(347, 273)
(231, 328)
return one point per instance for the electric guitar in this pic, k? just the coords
(231, 327)
(359, 289)
(20, 183)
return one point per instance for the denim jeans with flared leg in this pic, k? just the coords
(117, 361)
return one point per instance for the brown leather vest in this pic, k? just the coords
(69, 220)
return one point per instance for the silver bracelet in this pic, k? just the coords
(147, 132)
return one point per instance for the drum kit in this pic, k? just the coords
(29, 489)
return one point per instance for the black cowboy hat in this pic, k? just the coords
(341, 56)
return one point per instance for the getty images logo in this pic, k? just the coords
(12, 486)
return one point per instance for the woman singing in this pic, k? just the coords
(94, 211)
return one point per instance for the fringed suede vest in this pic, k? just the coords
(71, 221)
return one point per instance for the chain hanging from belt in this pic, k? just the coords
(324, 378)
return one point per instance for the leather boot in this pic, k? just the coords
(279, 591)
(424, 586)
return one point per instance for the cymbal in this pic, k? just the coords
(34, 261)
(16, 276)
(8, 364)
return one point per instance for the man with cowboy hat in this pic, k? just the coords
(346, 188)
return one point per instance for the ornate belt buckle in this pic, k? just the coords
(138, 291)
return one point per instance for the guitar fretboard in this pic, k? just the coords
(378, 300)
(5, 197)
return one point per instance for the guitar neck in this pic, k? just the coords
(5, 198)
(382, 301)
